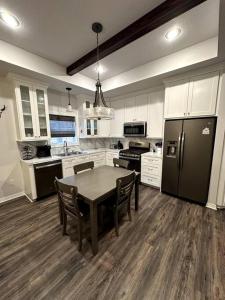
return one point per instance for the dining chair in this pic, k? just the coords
(124, 187)
(121, 163)
(70, 206)
(83, 167)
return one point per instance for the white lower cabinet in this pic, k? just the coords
(151, 170)
(99, 158)
(109, 157)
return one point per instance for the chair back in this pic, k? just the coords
(83, 167)
(67, 196)
(124, 186)
(121, 163)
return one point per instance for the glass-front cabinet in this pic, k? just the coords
(32, 108)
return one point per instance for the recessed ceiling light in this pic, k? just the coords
(173, 33)
(9, 19)
(99, 69)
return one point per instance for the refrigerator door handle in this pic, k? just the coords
(182, 150)
(178, 151)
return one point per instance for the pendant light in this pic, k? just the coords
(100, 109)
(69, 107)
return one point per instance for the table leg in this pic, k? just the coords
(94, 227)
(137, 181)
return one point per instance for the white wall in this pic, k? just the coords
(11, 182)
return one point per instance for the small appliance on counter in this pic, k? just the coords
(119, 145)
(158, 147)
(43, 151)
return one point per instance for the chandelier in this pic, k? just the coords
(100, 109)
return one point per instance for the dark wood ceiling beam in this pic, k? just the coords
(163, 13)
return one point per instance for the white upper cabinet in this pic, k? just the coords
(129, 109)
(203, 95)
(116, 124)
(193, 98)
(32, 109)
(141, 110)
(103, 128)
(176, 99)
(155, 114)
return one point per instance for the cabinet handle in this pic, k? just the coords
(184, 114)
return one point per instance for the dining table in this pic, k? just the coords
(95, 186)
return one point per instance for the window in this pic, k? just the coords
(63, 128)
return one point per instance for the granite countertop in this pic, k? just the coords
(152, 154)
(55, 157)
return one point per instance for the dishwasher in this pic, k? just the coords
(45, 174)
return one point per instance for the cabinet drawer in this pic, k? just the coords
(151, 180)
(149, 161)
(97, 156)
(81, 159)
(151, 170)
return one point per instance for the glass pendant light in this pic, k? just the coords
(69, 107)
(100, 109)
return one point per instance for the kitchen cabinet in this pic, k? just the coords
(203, 95)
(98, 159)
(116, 124)
(68, 163)
(104, 128)
(32, 109)
(109, 157)
(136, 108)
(195, 97)
(151, 170)
(155, 115)
(176, 98)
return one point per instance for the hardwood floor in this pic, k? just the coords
(171, 250)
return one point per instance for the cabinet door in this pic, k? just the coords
(176, 99)
(116, 124)
(141, 108)
(203, 95)
(26, 112)
(155, 115)
(130, 114)
(42, 116)
(104, 128)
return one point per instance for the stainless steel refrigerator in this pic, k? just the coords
(187, 158)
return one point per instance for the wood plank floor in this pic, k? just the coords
(171, 250)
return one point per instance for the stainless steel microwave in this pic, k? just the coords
(135, 129)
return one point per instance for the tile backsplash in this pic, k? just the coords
(95, 143)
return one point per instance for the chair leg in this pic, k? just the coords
(60, 213)
(64, 223)
(129, 211)
(116, 222)
(80, 237)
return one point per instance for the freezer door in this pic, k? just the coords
(196, 158)
(171, 156)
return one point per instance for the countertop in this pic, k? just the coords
(55, 157)
(152, 154)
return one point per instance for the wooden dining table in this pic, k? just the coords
(95, 186)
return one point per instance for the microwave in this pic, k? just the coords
(135, 129)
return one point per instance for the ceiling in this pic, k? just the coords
(61, 30)
(66, 35)
(198, 24)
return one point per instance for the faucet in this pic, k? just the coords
(66, 148)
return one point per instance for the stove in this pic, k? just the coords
(133, 154)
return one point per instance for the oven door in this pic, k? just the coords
(134, 129)
(134, 164)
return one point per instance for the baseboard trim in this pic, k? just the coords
(11, 197)
(212, 206)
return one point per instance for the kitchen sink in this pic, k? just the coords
(70, 153)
